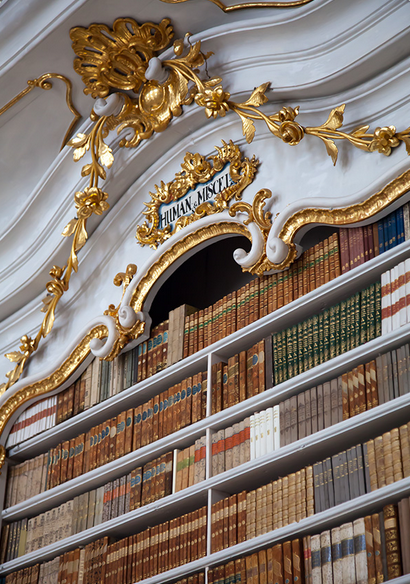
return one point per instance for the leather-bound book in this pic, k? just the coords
(391, 530)
(360, 550)
(371, 566)
(405, 449)
(396, 455)
(404, 523)
(326, 557)
(348, 555)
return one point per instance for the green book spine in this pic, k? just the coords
(343, 324)
(310, 342)
(337, 329)
(275, 344)
(357, 308)
(290, 354)
(321, 338)
(371, 306)
(378, 309)
(364, 310)
(284, 356)
(316, 359)
(326, 331)
(332, 332)
(349, 302)
(304, 352)
(296, 361)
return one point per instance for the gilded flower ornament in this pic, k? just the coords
(214, 101)
(384, 140)
(92, 200)
(27, 344)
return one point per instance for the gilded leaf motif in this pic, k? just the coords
(106, 156)
(81, 237)
(69, 228)
(14, 356)
(86, 169)
(78, 140)
(331, 149)
(406, 140)
(248, 129)
(335, 119)
(360, 131)
(258, 96)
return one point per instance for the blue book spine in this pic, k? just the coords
(381, 236)
(400, 225)
(392, 230)
(386, 233)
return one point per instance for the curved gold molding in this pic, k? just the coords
(341, 215)
(43, 82)
(244, 5)
(179, 248)
(53, 381)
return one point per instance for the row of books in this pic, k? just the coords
(190, 465)
(169, 473)
(333, 481)
(396, 297)
(264, 509)
(35, 419)
(260, 297)
(388, 457)
(181, 405)
(362, 388)
(334, 331)
(27, 535)
(315, 267)
(360, 244)
(246, 374)
(366, 550)
(231, 446)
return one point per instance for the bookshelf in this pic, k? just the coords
(287, 459)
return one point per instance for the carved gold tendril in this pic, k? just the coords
(196, 169)
(242, 6)
(43, 82)
(126, 334)
(2, 455)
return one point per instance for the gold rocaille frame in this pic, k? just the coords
(339, 216)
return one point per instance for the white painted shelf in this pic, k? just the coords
(247, 476)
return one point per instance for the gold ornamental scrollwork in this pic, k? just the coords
(126, 334)
(245, 5)
(43, 82)
(196, 169)
(349, 215)
(125, 59)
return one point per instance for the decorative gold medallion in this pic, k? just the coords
(203, 187)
